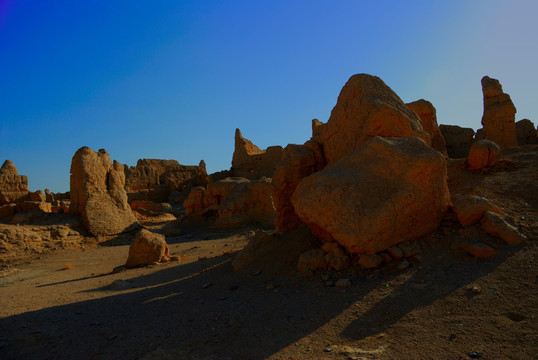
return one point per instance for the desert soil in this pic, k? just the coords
(67, 303)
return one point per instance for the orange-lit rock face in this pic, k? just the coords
(98, 194)
(367, 107)
(236, 201)
(499, 114)
(147, 248)
(250, 161)
(483, 154)
(298, 161)
(13, 187)
(384, 192)
(428, 116)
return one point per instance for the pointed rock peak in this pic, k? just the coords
(491, 87)
(8, 168)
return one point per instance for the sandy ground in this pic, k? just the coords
(446, 305)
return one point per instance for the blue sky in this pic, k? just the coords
(173, 79)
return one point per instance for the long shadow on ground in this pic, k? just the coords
(205, 310)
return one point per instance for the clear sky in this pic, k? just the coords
(173, 79)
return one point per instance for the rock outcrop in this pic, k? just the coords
(98, 194)
(147, 248)
(13, 187)
(298, 161)
(483, 154)
(458, 140)
(499, 114)
(250, 161)
(155, 179)
(526, 133)
(234, 202)
(384, 192)
(367, 107)
(428, 116)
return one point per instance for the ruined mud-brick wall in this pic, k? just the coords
(155, 179)
(251, 162)
(13, 187)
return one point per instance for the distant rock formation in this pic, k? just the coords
(526, 133)
(13, 187)
(458, 140)
(367, 107)
(384, 192)
(234, 202)
(250, 161)
(156, 180)
(427, 114)
(499, 114)
(98, 194)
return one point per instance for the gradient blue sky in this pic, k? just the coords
(173, 79)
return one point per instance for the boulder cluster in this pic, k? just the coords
(368, 181)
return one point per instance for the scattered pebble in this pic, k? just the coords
(206, 285)
(325, 276)
(270, 287)
(234, 287)
(329, 283)
(342, 283)
(404, 264)
(256, 273)
(119, 285)
(112, 337)
(327, 349)
(475, 355)
(174, 258)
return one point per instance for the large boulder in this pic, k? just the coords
(98, 194)
(13, 187)
(298, 161)
(147, 248)
(386, 191)
(483, 154)
(526, 133)
(428, 116)
(367, 107)
(458, 140)
(499, 114)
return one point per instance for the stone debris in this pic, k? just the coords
(147, 248)
(370, 261)
(495, 225)
(470, 209)
(344, 282)
(478, 250)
